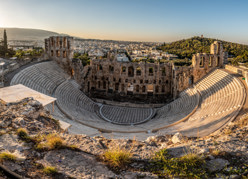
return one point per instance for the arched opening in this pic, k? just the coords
(151, 71)
(104, 84)
(163, 71)
(123, 69)
(150, 88)
(157, 89)
(144, 89)
(138, 71)
(122, 87)
(137, 88)
(210, 61)
(99, 84)
(130, 72)
(218, 61)
(64, 54)
(202, 62)
(163, 88)
(116, 86)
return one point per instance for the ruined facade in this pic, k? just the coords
(133, 81)
(60, 49)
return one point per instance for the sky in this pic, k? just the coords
(134, 20)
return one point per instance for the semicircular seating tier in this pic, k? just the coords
(222, 97)
(43, 77)
(220, 100)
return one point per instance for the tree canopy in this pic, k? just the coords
(187, 47)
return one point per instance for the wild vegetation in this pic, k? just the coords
(83, 57)
(187, 47)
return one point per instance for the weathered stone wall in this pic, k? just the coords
(111, 79)
(239, 70)
(60, 49)
(202, 63)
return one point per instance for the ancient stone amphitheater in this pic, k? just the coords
(214, 101)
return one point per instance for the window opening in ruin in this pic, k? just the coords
(57, 41)
(64, 54)
(146, 81)
(122, 87)
(157, 89)
(60, 43)
(163, 71)
(130, 71)
(116, 86)
(159, 81)
(88, 86)
(51, 52)
(154, 81)
(202, 62)
(210, 61)
(141, 81)
(144, 89)
(150, 71)
(104, 85)
(137, 88)
(150, 88)
(126, 80)
(114, 79)
(123, 69)
(138, 71)
(163, 88)
(58, 53)
(119, 80)
(217, 61)
(52, 40)
(99, 84)
(134, 81)
(64, 42)
(166, 82)
(111, 69)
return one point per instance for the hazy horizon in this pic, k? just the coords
(146, 20)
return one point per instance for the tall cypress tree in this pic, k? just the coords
(5, 45)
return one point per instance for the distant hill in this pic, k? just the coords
(187, 47)
(27, 34)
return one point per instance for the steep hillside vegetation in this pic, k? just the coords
(187, 47)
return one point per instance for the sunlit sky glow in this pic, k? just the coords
(136, 20)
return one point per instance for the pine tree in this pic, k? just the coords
(5, 45)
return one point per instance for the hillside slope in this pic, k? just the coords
(26, 34)
(187, 47)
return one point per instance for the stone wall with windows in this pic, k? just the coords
(133, 81)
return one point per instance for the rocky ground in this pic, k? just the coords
(225, 152)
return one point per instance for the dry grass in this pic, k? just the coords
(49, 142)
(22, 133)
(50, 170)
(54, 141)
(216, 152)
(117, 157)
(7, 156)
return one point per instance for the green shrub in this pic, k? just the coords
(190, 165)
